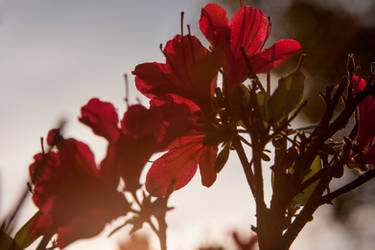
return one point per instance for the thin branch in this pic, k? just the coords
(44, 242)
(310, 180)
(252, 74)
(244, 162)
(348, 187)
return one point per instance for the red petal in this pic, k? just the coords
(275, 55)
(53, 137)
(101, 117)
(131, 156)
(369, 156)
(178, 165)
(77, 158)
(214, 25)
(206, 165)
(179, 116)
(249, 29)
(108, 170)
(194, 69)
(366, 131)
(366, 122)
(41, 226)
(359, 84)
(174, 99)
(140, 122)
(366, 108)
(153, 79)
(190, 72)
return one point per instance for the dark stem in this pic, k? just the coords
(261, 209)
(44, 242)
(348, 187)
(244, 161)
(251, 72)
(162, 233)
(306, 214)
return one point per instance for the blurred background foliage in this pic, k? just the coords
(328, 32)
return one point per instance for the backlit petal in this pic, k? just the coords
(214, 25)
(249, 29)
(206, 165)
(101, 117)
(274, 56)
(177, 166)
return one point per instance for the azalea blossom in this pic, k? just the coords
(141, 133)
(190, 72)
(74, 198)
(249, 29)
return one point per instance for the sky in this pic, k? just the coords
(55, 56)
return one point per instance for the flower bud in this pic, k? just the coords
(350, 63)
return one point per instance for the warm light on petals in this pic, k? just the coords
(275, 55)
(249, 29)
(179, 165)
(74, 198)
(101, 117)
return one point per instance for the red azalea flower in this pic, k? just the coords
(180, 163)
(143, 132)
(249, 29)
(366, 132)
(190, 71)
(75, 199)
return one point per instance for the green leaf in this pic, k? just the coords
(302, 198)
(222, 158)
(263, 101)
(6, 242)
(22, 238)
(287, 96)
(239, 100)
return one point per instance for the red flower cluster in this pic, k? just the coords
(191, 72)
(77, 197)
(142, 133)
(249, 29)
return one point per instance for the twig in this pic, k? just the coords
(244, 162)
(348, 187)
(44, 242)
(252, 74)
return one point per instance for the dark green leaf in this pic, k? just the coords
(222, 158)
(287, 96)
(302, 198)
(239, 101)
(22, 238)
(263, 100)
